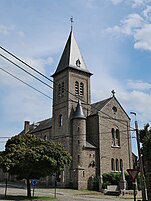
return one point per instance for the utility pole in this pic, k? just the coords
(140, 160)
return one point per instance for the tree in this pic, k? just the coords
(29, 157)
(145, 138)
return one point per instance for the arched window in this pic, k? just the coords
(112, 164)
(81, 89)
(117, 137)
(117, 165)
(76, 88)
(62, 88)
(60, 120)
(121, 164)
(59, 90)
(113, 137)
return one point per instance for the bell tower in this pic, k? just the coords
(71, 83)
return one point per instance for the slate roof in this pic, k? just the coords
(79, 111)
(95, 107)
(39, 126)
(71, 57)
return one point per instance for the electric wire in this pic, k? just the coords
(45, 94)
(46, 78)
(41, 74)
(26, 71)
(25, 63)
(25, 83)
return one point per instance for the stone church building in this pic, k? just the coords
(96, 135)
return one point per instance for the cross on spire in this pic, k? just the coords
(113, 92)
(71, 20)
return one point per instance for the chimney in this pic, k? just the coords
(26, 126)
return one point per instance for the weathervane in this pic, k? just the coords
(71, 20)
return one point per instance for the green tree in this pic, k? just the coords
(28, 157)
(145, 138)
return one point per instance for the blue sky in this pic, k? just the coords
(114, 37)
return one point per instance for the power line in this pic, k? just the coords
(25, 64)
(26, 71)
(51, 81)
(25, 83)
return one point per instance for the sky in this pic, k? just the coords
(114, 37)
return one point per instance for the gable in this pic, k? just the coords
(114, 109)
(107, 107)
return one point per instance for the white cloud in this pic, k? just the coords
(5, 30)
(90, 2)
(137, 3)
(136, 26)
(133, 3)
(115, 2)
(133, 96)
(138, 85)
(11, 30)
(142, 38)
(38, 64)
(137, 98)
(26, 104)
(128, 26)
(21, 34)
(140, 103)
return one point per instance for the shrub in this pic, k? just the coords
(111, 178)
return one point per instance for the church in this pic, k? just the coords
(97, 135)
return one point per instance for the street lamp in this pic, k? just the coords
(140, 159)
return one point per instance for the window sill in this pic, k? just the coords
(116, 146)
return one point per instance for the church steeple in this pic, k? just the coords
(71, 57)
(71, 83)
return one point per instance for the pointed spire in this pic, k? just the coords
(71, 57)
(78, 114)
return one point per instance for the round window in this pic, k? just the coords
(114, 109)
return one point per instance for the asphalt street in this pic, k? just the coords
(62, 194)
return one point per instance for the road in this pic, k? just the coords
(61, 194)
